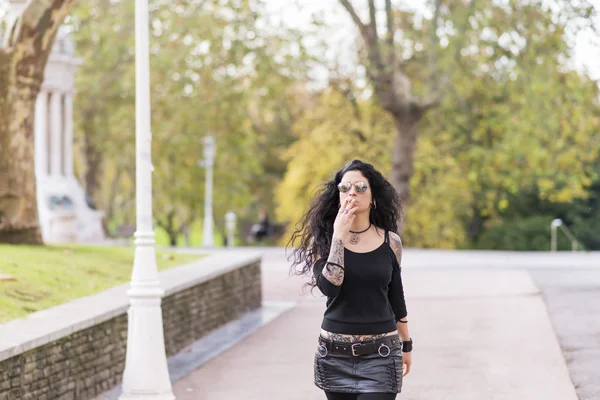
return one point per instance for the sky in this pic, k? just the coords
(340, 33)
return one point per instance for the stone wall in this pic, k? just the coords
(86, 363)
(190, 314)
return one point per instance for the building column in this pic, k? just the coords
(40, 144)
(55, 134)
(68, 131)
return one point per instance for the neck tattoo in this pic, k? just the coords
(355, 237)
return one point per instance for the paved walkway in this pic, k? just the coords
(479, 334)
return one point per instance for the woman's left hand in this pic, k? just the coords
(406, 363)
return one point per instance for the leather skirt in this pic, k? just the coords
(369, 373)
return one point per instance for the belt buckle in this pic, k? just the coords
(354, 350)
(322, 350)
(386, 349)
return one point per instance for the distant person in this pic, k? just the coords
(90, 202)
(350, 247)
(261, 230)
(186, 235)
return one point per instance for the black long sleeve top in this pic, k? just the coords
(371, 297)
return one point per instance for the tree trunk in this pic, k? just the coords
(110, 209)
(475, 226)
(94, 160)
(403, 165)
(394, 88)
(29, 40)
(18, 202)
(172, 235)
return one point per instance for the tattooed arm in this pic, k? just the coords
(396, 289)
(331, 277)
(396, 296)
(334, 268)
(329, 274)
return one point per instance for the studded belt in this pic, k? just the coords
(381, 346)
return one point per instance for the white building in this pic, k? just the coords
(65, 216)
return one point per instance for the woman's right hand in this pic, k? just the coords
(343, 220)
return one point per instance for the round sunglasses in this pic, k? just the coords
(360, 186)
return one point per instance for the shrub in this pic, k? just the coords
(523, 234)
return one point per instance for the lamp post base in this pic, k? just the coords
(207, 232)
(146, 374)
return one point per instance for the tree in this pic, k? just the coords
(103, 32)
(452, 31)
(324, 144)
(518, 117)
(217, 68)
(394, 88)
(24, 51)
(228, 77)
(342, 123)
(515, 116)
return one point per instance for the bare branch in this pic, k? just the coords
(390, 46)
(431, 102)
(344, 87)
(433, 42)
(464, 27)
(350, 96)
(373, 20)
(369, 37)
(391, 29)
(447, 76)
(357, 21)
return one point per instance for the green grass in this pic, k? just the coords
(50, 275)
(162, 239)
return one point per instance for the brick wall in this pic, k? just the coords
(86, 363)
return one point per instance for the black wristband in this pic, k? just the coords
(407, 346)
(332, 263)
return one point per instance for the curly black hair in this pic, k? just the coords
(315, 229)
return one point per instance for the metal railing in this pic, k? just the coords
(575, 245)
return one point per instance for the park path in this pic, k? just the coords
(479, 332)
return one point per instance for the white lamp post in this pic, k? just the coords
(555, 224)
(230, 227)
(210, 150)
(146, 374)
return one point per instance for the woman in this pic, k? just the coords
(348, 241)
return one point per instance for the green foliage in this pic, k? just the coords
(195, 236)
(335, 130)
(441, 196)
(528, 214)
(584, 216)
(587, 232)
(531, 233)
(217, 69)
(515, 119)
(581, 216)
